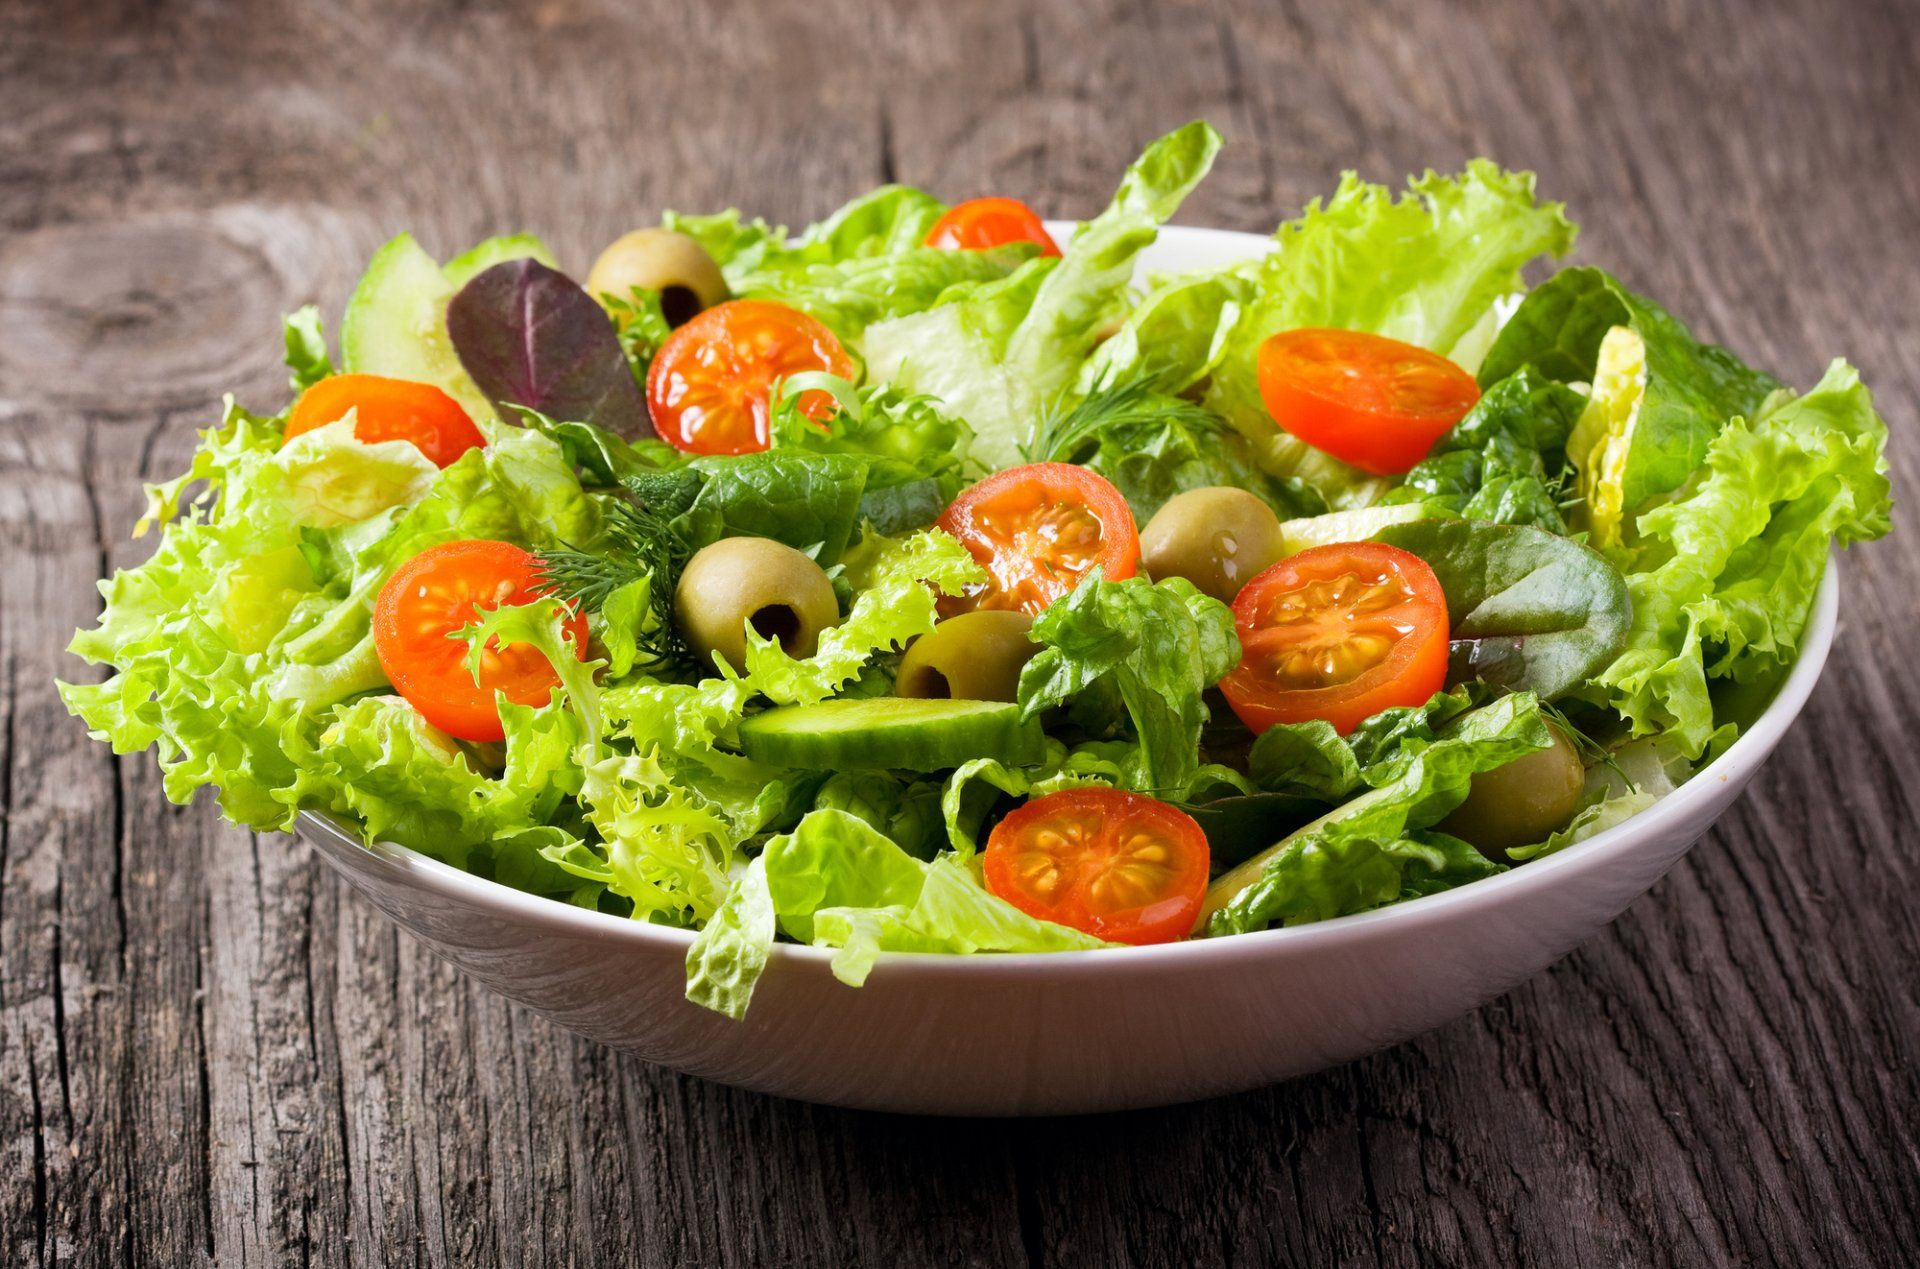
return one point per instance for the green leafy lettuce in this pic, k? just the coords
(235, 645)
(999, 354)
(1143, 651)
(1425, 268)
(1505, 462)
(1381, 845)
(837, 881)
(1722, 574)
(1658, 395)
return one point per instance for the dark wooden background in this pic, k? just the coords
(209, 1051)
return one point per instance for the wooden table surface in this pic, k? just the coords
(208, 1050)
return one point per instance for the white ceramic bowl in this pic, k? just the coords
(1071, 1031)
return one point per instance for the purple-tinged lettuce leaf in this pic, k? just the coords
(531, 336)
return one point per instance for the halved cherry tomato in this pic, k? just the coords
(1038, 530)
(435, 594)
(388, 410)
(1120, 866)
(980, 223)
(1371, 401)
(1338, 632)
(711, 384)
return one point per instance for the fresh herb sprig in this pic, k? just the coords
(1064, 435)
(640, 543)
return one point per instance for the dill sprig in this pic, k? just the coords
(1066, 435)
(639, 543)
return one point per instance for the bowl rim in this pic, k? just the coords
(1739, 761)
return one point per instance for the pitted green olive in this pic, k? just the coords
(741, 582)
(659, 260)
(976, 656)
(1216, 538)
(1523, 802)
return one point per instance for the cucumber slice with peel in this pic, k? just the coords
(891, 733)
(396, 322)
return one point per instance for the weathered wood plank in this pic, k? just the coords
(206, 1050)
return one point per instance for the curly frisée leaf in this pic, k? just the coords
(898, 585)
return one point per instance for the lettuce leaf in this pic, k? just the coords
(1381, 846)
(853, 294)
(1658, 395)
(1312, 760)
(1156, 647)
(236, 646)
(1723, 574)
(1425, 268)
(672, 803)
(307, 359)
(836, 881)
(999, 354)
(1174, 337)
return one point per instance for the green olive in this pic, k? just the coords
(659, 260)
(1216, 538)
(740, 582)
(1521, 803)
(976, 656)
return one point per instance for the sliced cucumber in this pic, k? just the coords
(396, 322)
(892, 733)
(461, 268)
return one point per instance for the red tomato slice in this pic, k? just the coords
(1120, 866)
(711, 384)
(437, 593)
(1338, 632)
(1038, 530)
(1374, 402)
(388, 410)
(980, 223)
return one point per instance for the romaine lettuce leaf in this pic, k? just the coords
(836, 881)
(1000, 354)
(1425, 268)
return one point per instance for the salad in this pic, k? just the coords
(923, 581)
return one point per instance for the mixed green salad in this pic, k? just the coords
(917, 582)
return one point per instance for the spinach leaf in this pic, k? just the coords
(1530, 611)
(530, 336)
(1505, 462)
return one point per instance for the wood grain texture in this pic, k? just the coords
(209, 1052)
